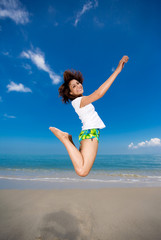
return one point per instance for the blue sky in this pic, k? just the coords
(39, 40)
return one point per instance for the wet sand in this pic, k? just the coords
(81, 214)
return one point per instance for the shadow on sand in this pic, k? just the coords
(64, 226)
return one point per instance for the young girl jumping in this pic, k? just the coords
(72, 90)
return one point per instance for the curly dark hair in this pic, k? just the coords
(64, 90)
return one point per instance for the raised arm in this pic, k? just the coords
(100, 92)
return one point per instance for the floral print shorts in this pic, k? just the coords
(89, 133)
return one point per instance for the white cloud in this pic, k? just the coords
(17, 87)
(7, 116)
(13, 9)
(153, 142)
(86, 7)
(38, 59)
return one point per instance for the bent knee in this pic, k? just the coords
(82, 172)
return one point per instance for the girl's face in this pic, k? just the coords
(76, 88)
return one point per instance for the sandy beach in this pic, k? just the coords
(80, 214)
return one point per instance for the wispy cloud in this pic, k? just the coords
(8, 116)
(17, 87)
(98, 23)
(37, 57)
(27, 67)
(5, 53)
(86, 7)
(153, 142)
(14, 10)
(56, 24)
(51, 9)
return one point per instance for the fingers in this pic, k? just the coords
(125, 59)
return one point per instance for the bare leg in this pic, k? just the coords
(82, 160)
(88, 149)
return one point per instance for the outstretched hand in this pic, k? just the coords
(121, 63)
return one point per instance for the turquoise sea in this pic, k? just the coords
(56, 171)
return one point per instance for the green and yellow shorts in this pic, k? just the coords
(89, 134)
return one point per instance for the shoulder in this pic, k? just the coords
(76, 102)
(89, 99)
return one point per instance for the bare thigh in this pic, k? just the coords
(88, 149)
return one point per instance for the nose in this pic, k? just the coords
(79, 87)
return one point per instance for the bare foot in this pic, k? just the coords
(62, 136)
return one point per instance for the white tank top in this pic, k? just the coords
(87, 115)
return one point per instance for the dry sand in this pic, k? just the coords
(81, 214)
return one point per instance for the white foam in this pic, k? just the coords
(148, 179)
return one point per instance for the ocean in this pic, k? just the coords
(56, 171)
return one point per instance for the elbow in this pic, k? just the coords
(99, 94)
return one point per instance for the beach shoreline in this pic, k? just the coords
(76, 183)
(109, 171)
(96, 214)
